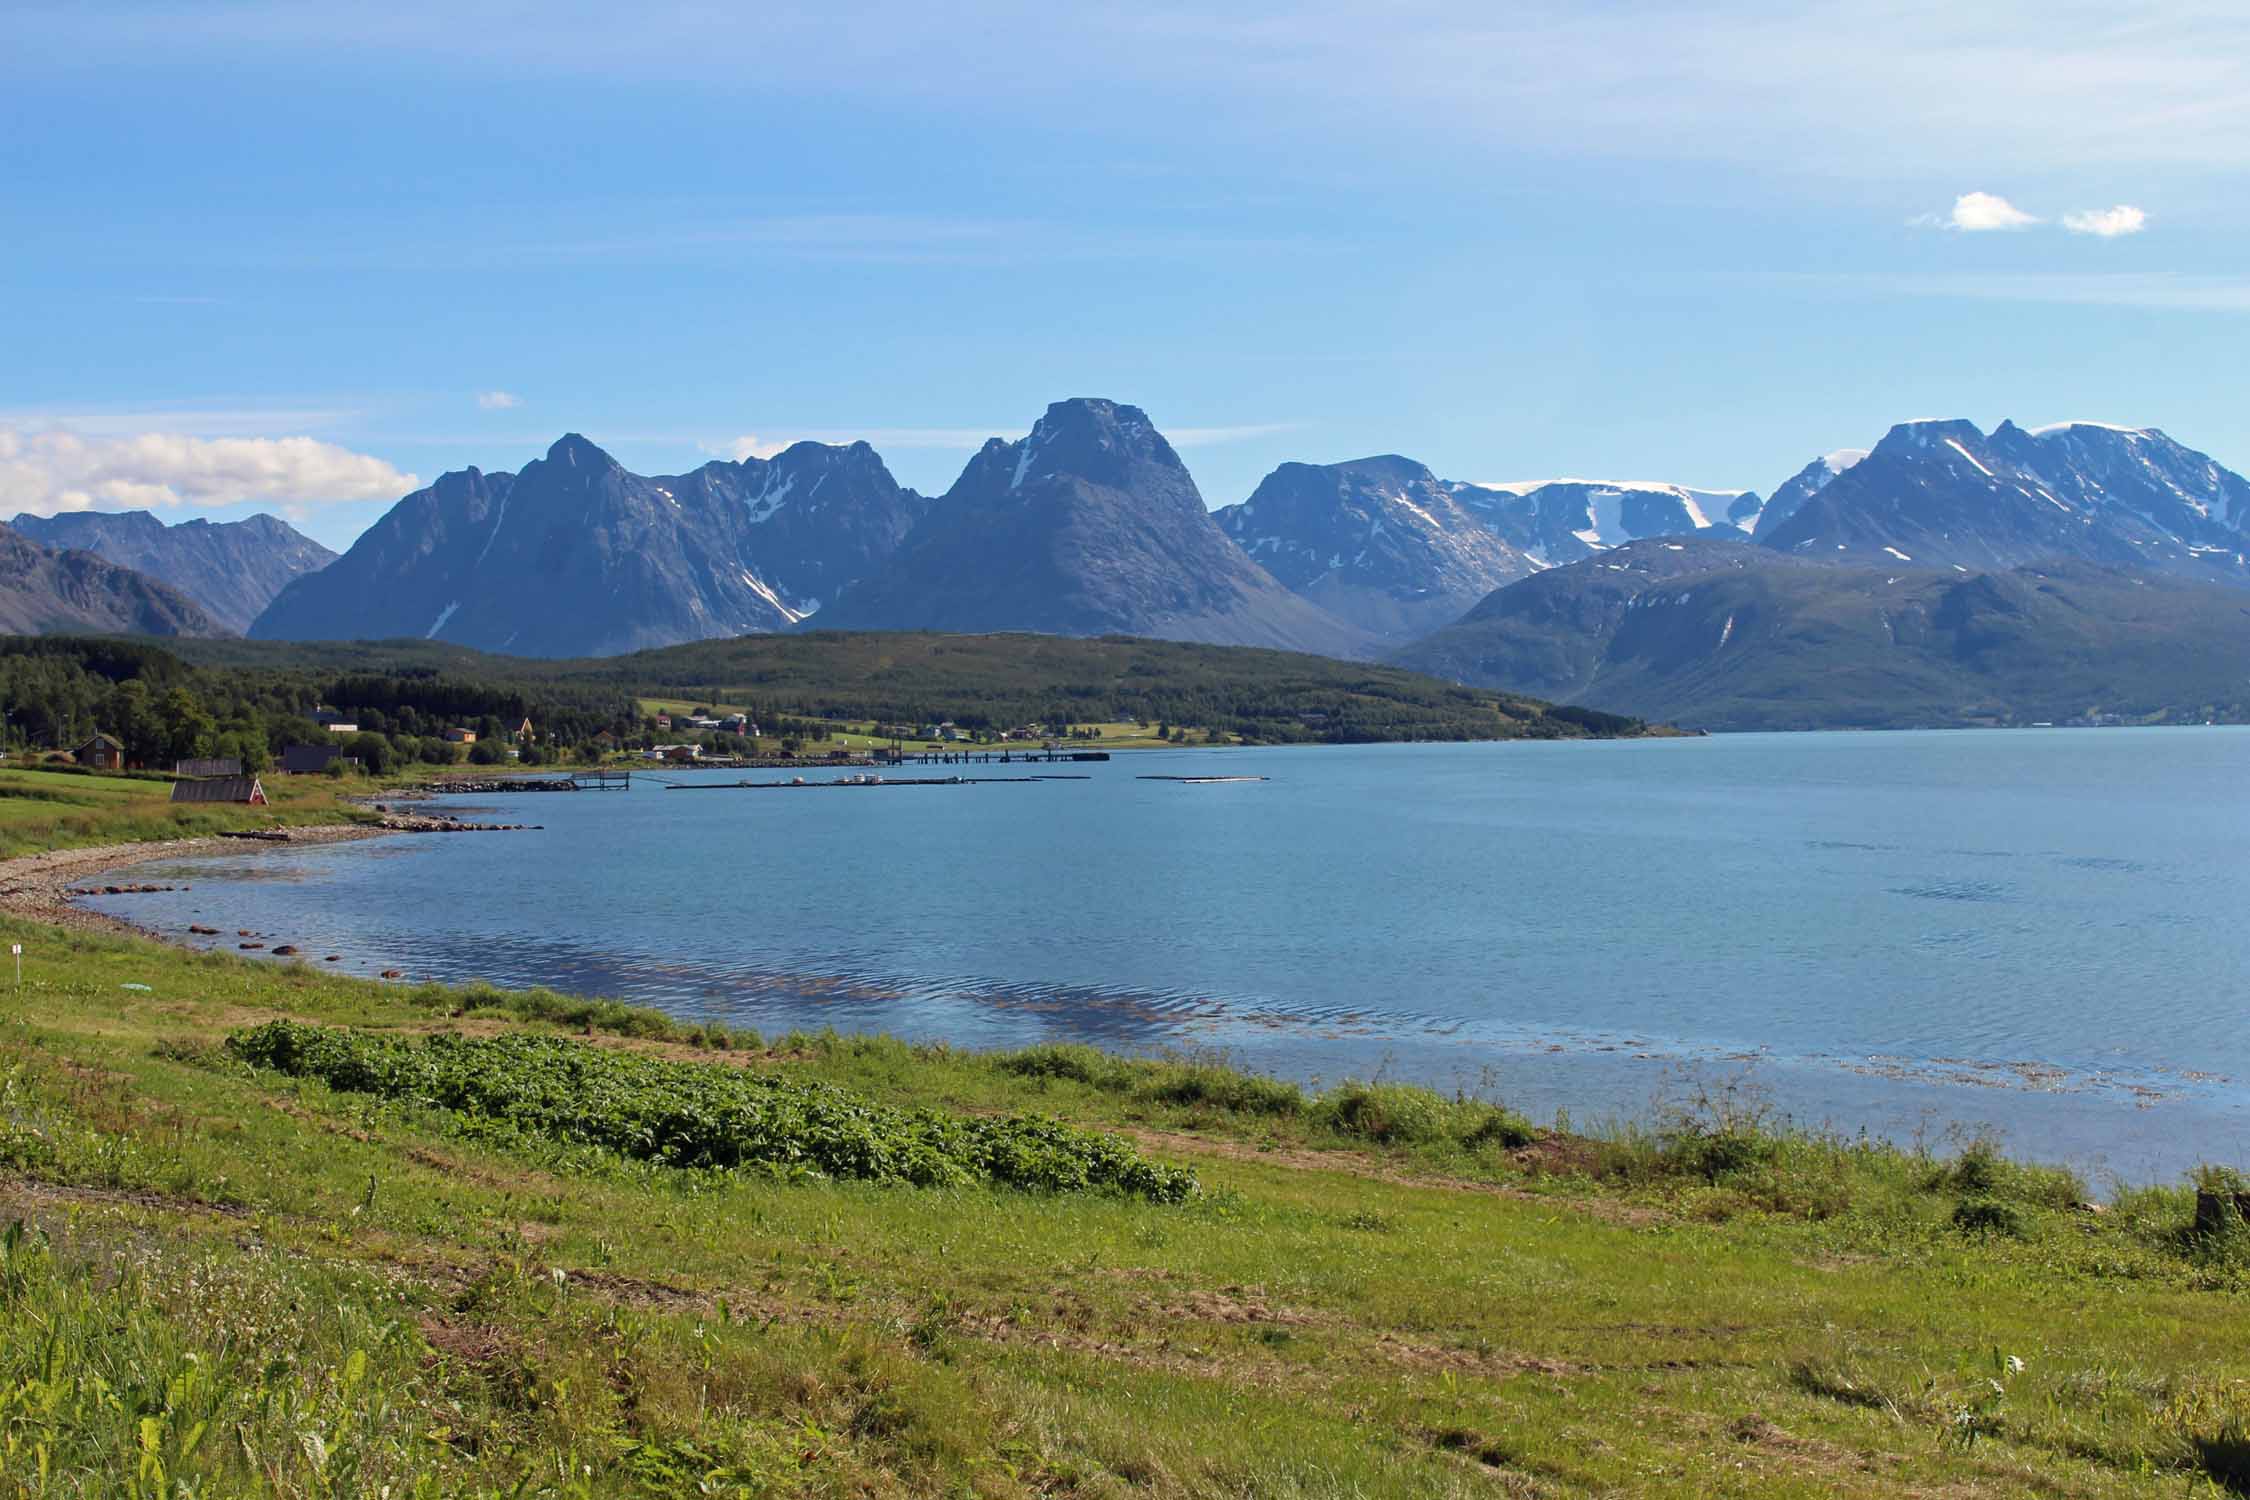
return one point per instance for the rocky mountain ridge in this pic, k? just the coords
(46, 590)
(231, 569)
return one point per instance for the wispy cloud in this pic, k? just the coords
(2007, 83)
(222, 416)
(55, 469)
(499, 400)
(2172, 291)
(2108, 223)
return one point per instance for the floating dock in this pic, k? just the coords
(860, 786)
(1202, 780)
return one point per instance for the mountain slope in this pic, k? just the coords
(1730, 636)
(1566, 520)
(574, 556)
(1380, 542)
(43, 590)
(1943, 492)
(233, 569)
(1090, 525)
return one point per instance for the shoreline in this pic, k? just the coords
(38, 886)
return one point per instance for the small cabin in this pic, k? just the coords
(102, 753)
(245, 790)
(523, 732)
(460, 736)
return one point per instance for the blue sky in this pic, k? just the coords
(267, 256)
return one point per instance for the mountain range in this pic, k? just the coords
(47, 590)
(1091, 525)
(574, 556)
(233, 569)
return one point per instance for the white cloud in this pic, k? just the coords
(56, 469)
(2109, 223)
(499, 400)
(1974, 213)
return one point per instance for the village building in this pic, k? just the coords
(523, 732)
(248, 790)
(460, 736)
(102, 753)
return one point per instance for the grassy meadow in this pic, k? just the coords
(42, 810)
(225, 1269)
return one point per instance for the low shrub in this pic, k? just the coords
(1069, 1060)
(1713, 1154)
(1981, 1171)
(1990, 1216)
(1224, 1088)
(704, 1115)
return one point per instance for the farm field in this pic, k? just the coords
(240, 1269)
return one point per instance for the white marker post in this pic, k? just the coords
(17, 950)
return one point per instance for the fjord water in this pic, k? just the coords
(2039, 931)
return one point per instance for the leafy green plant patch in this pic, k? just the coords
(705, 1115)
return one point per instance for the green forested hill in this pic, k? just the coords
(1726, 636)
(992, 679)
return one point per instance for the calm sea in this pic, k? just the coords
(2044, 932)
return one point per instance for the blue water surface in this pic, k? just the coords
(1909, 933)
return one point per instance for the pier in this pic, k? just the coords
(576, 781)
(997, 757)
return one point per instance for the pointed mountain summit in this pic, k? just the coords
(232, 569)
(1379, 542)
(1089, 525)
(576, 556)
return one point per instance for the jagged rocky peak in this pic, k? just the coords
(1089, 437)
(1943, 491)
(576, 451)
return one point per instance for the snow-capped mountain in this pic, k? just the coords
(574, 556)
(1941, 491)
(1090, 525)
(1557, 521)
(1381, 542)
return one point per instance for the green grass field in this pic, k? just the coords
(41, 810)
(233, 1281)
